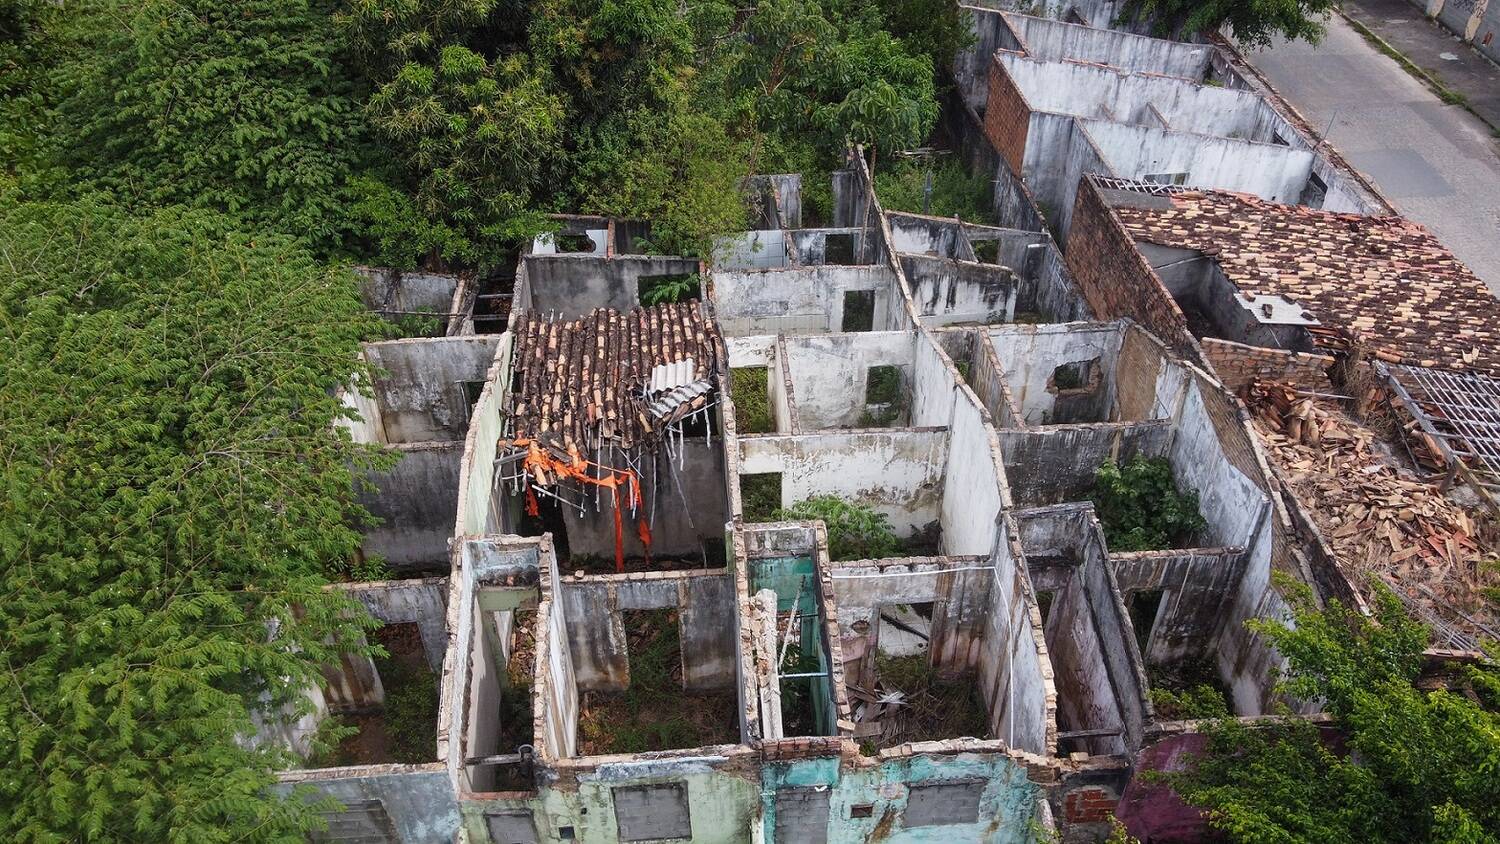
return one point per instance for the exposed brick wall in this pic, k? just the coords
(1238, 364)
(1113, 277)
(1089, 805)
(1006, 117)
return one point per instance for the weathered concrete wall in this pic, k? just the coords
(1058, 153)
(899, 472)
(1101, 683)
(420, 385)
(398, 293)
(418, 800)
(414, 503)
(951, 292)
(969, 512)
(918, 234)
(596, 639)
(1094, 91)
(572, 285)
(422, 602)
(752, 250)
(1057, 464)
(830, 374)
(957, 587)
(358, 398)
(685, 507)
(1229, 500)
(1015, 673)
(1270, 171)
(991, 800)
(478, 509)
(1029, 355)
(801, 300)
(1197, 585)
(812, 247)
(1055, 40)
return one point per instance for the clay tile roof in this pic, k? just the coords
(1384, 280)
(581, 382)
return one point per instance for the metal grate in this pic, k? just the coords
(1460, 411)
(1152, 188)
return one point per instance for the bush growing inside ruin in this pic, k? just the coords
(1140, 508)
(856, 531)
(1408, 765)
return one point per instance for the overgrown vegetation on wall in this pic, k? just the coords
(856, 531)
(1140, 508)
(1406, 764)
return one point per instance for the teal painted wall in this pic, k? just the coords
(1006, 805)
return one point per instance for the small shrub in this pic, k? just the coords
(1201, 701)
(1140, 508)
(760, 496)
(855, 530)
(955, 193)
(673, 288)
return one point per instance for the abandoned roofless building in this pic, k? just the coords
(615, 624)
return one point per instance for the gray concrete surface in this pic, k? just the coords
(1438, 164)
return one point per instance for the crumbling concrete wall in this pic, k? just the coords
(1058, 464)
(596, 634)
(1271, 171)
(802, 300)
(830, 374)
(1198, 586)
(396, 294)
(1015, 674)
(1030, 355)
(413, 502)
(1056, 40)
(420, 385)
(359, 399)
(422, 601)
(957, 587)
(838, 247)
(950, 292)
(1101, 683)
(570, 286)
(918, 234)
(899, 472)
(753, 250)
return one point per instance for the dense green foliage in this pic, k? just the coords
(1140, 508)
(752, 400)
(856, 531)
(902, 186)
(1415, 766)
(175, 493)
(1255, 24)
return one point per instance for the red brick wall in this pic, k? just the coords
(1089, 805)
(1238, 364)
(1113, 277)
(1006, 118)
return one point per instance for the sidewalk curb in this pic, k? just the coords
(1448, 95)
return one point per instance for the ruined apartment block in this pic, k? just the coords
(625, 638)
(614, 626)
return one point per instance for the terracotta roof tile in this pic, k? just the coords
(582, 382)
(1386, 280)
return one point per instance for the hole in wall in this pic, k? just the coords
(760, 496)
(859, 311)
(750, 386)
(862, 810)
(1078, 375)
(1144, 606)
(568, 243)
(839, 249)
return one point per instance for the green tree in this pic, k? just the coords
(236, 107)
(468, 138)
(174, 492)
(1140, 508)
(1418, 766)
(1255, 24)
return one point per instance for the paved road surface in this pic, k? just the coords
(1438, 164)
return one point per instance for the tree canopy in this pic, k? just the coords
(1253, 23)
(1405, 765)
(175, 496)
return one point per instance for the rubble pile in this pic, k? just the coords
(1381, 523)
